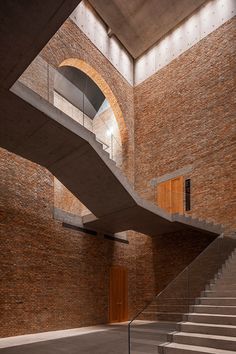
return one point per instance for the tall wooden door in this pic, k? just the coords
(177, 195)
(170, 195)
(118, 309)
(164, 195)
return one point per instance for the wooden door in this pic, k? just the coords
(118, 309)
(170, 195)
(164, 195)
(177, 195)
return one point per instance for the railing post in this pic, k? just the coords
(112, 146)
(188, 287)
(129, 344)
(48, 82)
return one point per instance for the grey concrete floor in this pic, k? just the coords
(112, 341)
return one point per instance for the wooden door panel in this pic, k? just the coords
(177, 193)
(170, 195)
(124, 307)
(118, 309)
(164, 195)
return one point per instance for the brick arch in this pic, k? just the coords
(106, 90)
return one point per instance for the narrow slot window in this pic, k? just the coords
(188, 194)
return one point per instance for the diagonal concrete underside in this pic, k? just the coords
(36, 130)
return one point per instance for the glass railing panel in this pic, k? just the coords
(161, 316)
(40, 77)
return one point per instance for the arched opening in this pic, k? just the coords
(77, 95)
(81, 93)
(105, 89)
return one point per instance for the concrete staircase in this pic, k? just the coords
(210, 326)
(71, 153)
(146, 336)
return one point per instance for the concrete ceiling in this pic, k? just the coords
(139, 24)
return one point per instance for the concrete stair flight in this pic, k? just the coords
(203, 324)
(52, 139)
(210, 326)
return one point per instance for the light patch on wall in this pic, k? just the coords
(203, 22)
(72, 111)
(107, 132)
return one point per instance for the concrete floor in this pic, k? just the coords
(108, 340)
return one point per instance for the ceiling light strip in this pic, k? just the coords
(203, 22)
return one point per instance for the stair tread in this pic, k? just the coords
(223, 283)
(207, 325)
(217, 306)
(205, 336)
(199, 349)
(216, 298)
(163, 312)
(220, 291)
(210, 314)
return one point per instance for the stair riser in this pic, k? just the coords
(226, 275)
(218, 302)
(217, 331)
(231, 263)
(205, 342)
(215, 310)
(227, 272)
(224, 282)
(180, 351)
(212, 319)
(219, 293)
(223, 287)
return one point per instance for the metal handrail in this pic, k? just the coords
(159, 294)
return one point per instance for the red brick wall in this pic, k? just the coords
(51, 277)
(185, 115)
(57, 278)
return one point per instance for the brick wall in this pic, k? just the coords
(57, 278)
(185, 115)
(51, 277)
